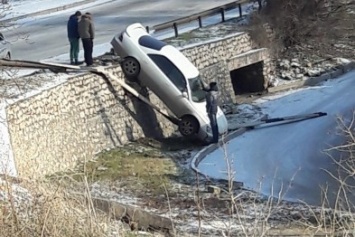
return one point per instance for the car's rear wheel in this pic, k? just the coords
(130, 67)
(188, 126)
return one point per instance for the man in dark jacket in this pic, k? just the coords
(73, 36)
(87, 35)
(212, 107)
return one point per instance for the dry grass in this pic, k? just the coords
(50, 210)
(147, 169)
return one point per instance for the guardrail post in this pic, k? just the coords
(176, 29)
(260, 5)
(147, 28)
(198, 16)
(222, 15)
(199, 21)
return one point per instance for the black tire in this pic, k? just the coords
(130, 67)
(188, 126)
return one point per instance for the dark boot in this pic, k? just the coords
(78, 62)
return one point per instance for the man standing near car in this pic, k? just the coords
(212, 107)
(87, 35)
(73, 36)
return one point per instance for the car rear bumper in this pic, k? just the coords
(222, 123)
(116, 43)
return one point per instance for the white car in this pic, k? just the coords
(5, 48)
(171, 76)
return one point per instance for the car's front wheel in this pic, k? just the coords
(188, 126)
(130, 67)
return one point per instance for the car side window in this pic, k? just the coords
(170, 70)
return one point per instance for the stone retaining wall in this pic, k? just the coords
(71, 122)
(54, 129)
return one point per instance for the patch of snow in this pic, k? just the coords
(342, 60)
(211, 227)
(64, 58)
(19, 194)
(53, 81)
(99, 190)
(248, 52)
(244, 113)
(7, 163)
(8, 74)
(284, 94)
(209, 41)
(233, 13)
(206, 21)
(274, 81)
(24, 7)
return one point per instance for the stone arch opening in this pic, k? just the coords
(248, 79)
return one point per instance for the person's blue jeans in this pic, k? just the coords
(74, 49)
(214, 127)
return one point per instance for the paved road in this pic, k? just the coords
(45, 36)
(291, 159)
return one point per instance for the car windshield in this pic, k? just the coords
(198, 94)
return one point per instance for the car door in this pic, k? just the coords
(172, 95)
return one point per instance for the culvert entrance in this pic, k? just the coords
(248, 79)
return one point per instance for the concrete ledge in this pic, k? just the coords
(247, 58)
(312, 81)
(137, 218)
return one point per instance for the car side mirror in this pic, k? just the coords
(184, 94)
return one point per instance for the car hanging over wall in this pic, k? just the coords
(169, 75)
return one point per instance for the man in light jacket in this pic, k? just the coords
(73, 36)
(212, 107)
(87, 35)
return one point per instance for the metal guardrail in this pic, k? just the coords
(198, 16)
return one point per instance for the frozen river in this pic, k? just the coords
(291, 160)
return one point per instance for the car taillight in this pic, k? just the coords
(120, 37)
